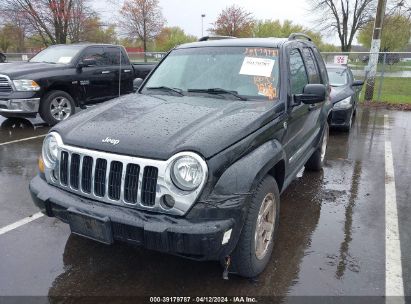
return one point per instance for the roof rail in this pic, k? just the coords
(207, 38)
(295, 36)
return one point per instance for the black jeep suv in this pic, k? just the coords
(193, 164)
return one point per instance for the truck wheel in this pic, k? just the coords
(316, 161)
(56, 106)
(254, 248)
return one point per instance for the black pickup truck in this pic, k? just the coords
(193, 164)
(63, 77)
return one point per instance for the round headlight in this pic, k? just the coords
(50, 150)
(187, 173)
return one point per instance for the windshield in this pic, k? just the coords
(58, 54)
(338, 77)
(251, 73)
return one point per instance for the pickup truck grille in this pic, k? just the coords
(5, 86)
(104, 179)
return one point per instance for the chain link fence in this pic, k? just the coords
(393, 73)
(392, 79)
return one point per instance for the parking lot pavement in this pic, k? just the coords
(331, 238)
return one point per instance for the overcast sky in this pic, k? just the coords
(187, 13)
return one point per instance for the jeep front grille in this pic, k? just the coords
(5, 86)
(108, 179)
(122, 180)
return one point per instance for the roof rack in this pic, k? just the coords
(295, 36)
(207, 38)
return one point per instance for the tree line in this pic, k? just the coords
(34, 24)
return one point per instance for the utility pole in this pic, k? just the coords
(374, 51)
(202, 24)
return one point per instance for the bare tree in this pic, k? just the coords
(141, 19)
(345, 17)
(50, 19)
(399, 8)
(234, 21)
(81, 13)
(17, 21)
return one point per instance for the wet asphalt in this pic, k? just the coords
(331, 239)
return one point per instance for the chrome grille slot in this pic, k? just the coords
(75, 171)
(100, 177)
(131, 183)
(64, 168)
(86, 174)
(5, 86)
(114, 180)
(148, 193)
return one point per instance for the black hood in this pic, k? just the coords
(158, 127)
(16, 69)
(339, 93)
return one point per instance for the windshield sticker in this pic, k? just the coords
(265, 87)
(261, 52)
(64, 59)
(257, 66)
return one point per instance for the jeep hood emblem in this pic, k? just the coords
(112, 141)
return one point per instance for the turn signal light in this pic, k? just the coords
(41, 164)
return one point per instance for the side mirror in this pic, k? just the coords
(87, 62)
(312, 94)
(137, 83)
(358, 83)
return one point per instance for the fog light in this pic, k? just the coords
(226, 237)
(168, 201)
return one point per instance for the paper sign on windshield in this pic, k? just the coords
(257, 66)
(65, 59)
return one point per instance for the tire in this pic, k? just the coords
(56, 106)
(246, 260)
(347, 128)
(316, 161)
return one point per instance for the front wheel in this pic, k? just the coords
(56, 106)
(316, 161)
(254, 248)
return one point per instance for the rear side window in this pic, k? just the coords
(96, 53)
(312, 69)
(298, 72)
(321, 65)
(113, 56)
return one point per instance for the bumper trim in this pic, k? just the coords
(20, 106)
(199, 240)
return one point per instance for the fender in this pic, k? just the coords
(232, 194)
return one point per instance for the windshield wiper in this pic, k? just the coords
(217, 91)
(167, 89)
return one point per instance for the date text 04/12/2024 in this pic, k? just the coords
(203, 300)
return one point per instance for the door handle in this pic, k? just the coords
(105, 72)
(127, 71)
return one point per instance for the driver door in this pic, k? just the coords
(298, 125)
(96, 81)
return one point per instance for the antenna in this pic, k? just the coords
(119, 75)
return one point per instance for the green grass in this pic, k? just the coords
(394, 90)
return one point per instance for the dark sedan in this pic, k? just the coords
(344, 96)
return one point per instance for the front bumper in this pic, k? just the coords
(341, 117)
(20, 106)
(199, 240)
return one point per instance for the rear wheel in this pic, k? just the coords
(316, 161)
(254, 248)
(56, 106)
(347, 128)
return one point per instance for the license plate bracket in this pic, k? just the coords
(90, 226)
